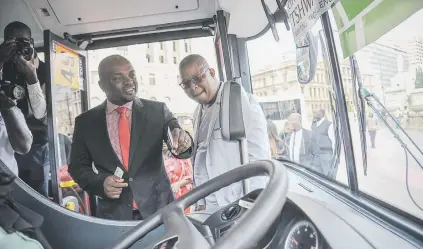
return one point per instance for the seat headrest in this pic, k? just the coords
(231, 118)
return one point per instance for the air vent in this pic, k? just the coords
(44, 12)
(231, 212)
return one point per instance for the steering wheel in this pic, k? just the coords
(266, 209)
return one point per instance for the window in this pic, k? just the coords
(175, 61)
(265, 60)
(141, 81)
(161, 46)
(385, 66)
(161, 59)
(186, 47)
(152, 79)
(174, 46)
(148, 58)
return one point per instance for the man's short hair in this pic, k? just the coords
(193, 59)
(13, 27)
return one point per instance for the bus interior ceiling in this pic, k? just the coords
(101, 20)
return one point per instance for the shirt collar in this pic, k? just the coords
(111, 107)
(320, 121)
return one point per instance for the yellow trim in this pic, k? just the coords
(67, 184)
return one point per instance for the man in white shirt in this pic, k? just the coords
(323, 131)
(19, 65)
(212, 155)
(15, 135)
(303, 147)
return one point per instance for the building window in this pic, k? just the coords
(148, 45)
(186, 47)
(161, 46)
(175, 61)
(141, 80)
(148, 58)
(174, 46)
(161, 59)
(152, 79)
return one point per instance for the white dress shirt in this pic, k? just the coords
(295, 145)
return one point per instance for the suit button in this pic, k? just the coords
(130, 179)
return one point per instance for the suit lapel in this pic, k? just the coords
(137, 127)
(197, 121)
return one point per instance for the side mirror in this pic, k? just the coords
(307, 52)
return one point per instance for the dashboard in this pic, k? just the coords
(292, 230)
(312, 218)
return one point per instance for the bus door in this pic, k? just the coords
(66, 94)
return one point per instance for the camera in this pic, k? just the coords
(12, 91)
(25, 48)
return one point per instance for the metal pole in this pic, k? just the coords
(341, 104)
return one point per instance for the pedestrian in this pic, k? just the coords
(372, 127)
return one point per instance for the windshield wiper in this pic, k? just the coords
(358, 101)
(365, 96)
(370, 97)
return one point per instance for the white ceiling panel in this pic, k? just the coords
(82, 11)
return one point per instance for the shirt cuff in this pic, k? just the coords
(34, 89)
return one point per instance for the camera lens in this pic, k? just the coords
(18, 92)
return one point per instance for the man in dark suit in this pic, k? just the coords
(303, 146)
(123, 137)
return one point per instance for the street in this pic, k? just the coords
(386, 169)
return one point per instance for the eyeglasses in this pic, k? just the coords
(185, 84)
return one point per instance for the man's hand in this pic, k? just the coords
(113, 186)
(7, 50)
(27, 68)
(181, 141)
(6, 102)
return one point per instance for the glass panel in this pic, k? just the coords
(300, 119)
(390, 70)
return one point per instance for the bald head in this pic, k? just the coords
(107, 64)
(198, 79)
(318, 114)
(193, 60)
(295, 120)
(118, 79)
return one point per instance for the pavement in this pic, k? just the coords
(386, 169)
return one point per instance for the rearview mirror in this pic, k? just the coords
(306, 58)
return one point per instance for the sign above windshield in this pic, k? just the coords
(363, 22)
(303, 14)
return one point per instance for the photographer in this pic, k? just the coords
(20, 66)
(15, 135)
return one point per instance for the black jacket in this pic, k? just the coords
(149, 185)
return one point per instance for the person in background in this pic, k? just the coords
(372, 126)
(27, 71)
(213, 155)
(323, 131)
(277, 146)
(15, 135)
(179, 172)
(116, 149)
(303, 146)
